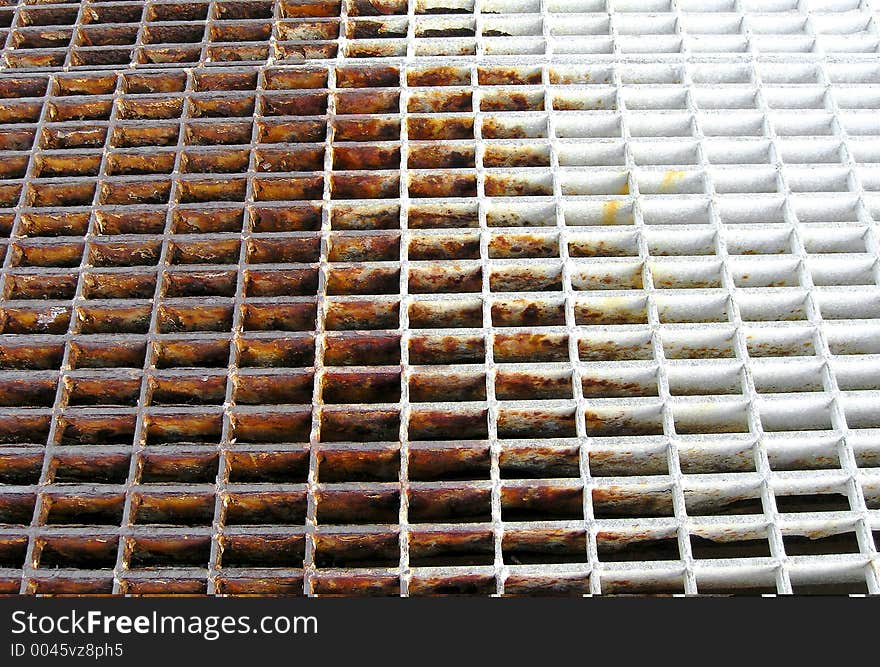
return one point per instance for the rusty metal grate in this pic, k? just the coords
(516, 297)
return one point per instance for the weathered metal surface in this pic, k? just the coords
(374, 297)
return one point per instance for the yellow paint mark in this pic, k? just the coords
(624, 189)
(670, 180)
(609, 212)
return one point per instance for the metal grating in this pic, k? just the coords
(517, 297)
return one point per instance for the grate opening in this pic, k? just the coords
(78, 552)
(170, 551)
(428, 464)
(616, 547)
(263, 550)
(55, 585)
(158, 467)
(265, 508)
(70, 509)
(530, 546)
(450, 504)
(12, 551)
(731, 543)
(357, 550)
(561, 585)
(97, 467)
(434, 548)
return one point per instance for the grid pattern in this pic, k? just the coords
(158, 33)
(514, 297)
